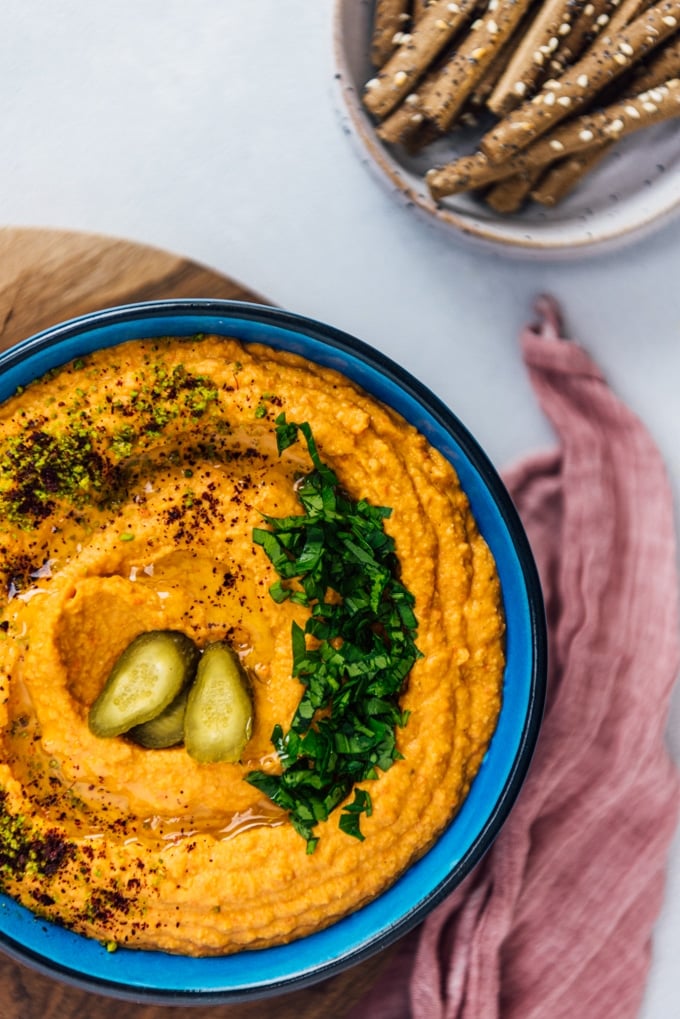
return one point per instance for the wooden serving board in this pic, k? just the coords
(47, 276)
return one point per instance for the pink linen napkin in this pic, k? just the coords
(556, 920)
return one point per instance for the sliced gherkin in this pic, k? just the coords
(146, 678)
(219, 716)
(166, 729)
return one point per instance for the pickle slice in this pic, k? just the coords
(145, 679)
(219, 717)
(166, 729)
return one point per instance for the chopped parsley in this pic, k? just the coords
(353, 655)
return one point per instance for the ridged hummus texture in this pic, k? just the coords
(130, 484)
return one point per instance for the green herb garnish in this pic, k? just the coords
(337, 559)
(82, 460)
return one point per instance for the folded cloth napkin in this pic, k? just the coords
(556, 920)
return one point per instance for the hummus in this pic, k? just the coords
(131, 482)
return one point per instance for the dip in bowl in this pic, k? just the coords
(252, 479)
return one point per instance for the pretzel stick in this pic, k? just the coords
(614, 122)
(388, 22)
(494, 71)
(419, 8)
(605, 60)
(615, 16)
(401, 126)
(406, 123)
(664, 64)
(553, 19)
(561, 179)
(554, 56)
(443, 102)
(509, 194)
(409, 62)
(421, 137)
(626, 12)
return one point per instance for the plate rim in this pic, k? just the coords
(524, 243)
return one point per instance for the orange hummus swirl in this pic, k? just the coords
(130, 485)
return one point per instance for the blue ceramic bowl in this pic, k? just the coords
(156, 977)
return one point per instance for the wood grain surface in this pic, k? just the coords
(47, 276)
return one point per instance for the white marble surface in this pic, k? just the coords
(212, 129)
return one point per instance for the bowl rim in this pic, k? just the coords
(227, 311)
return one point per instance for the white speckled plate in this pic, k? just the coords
(633, 190)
